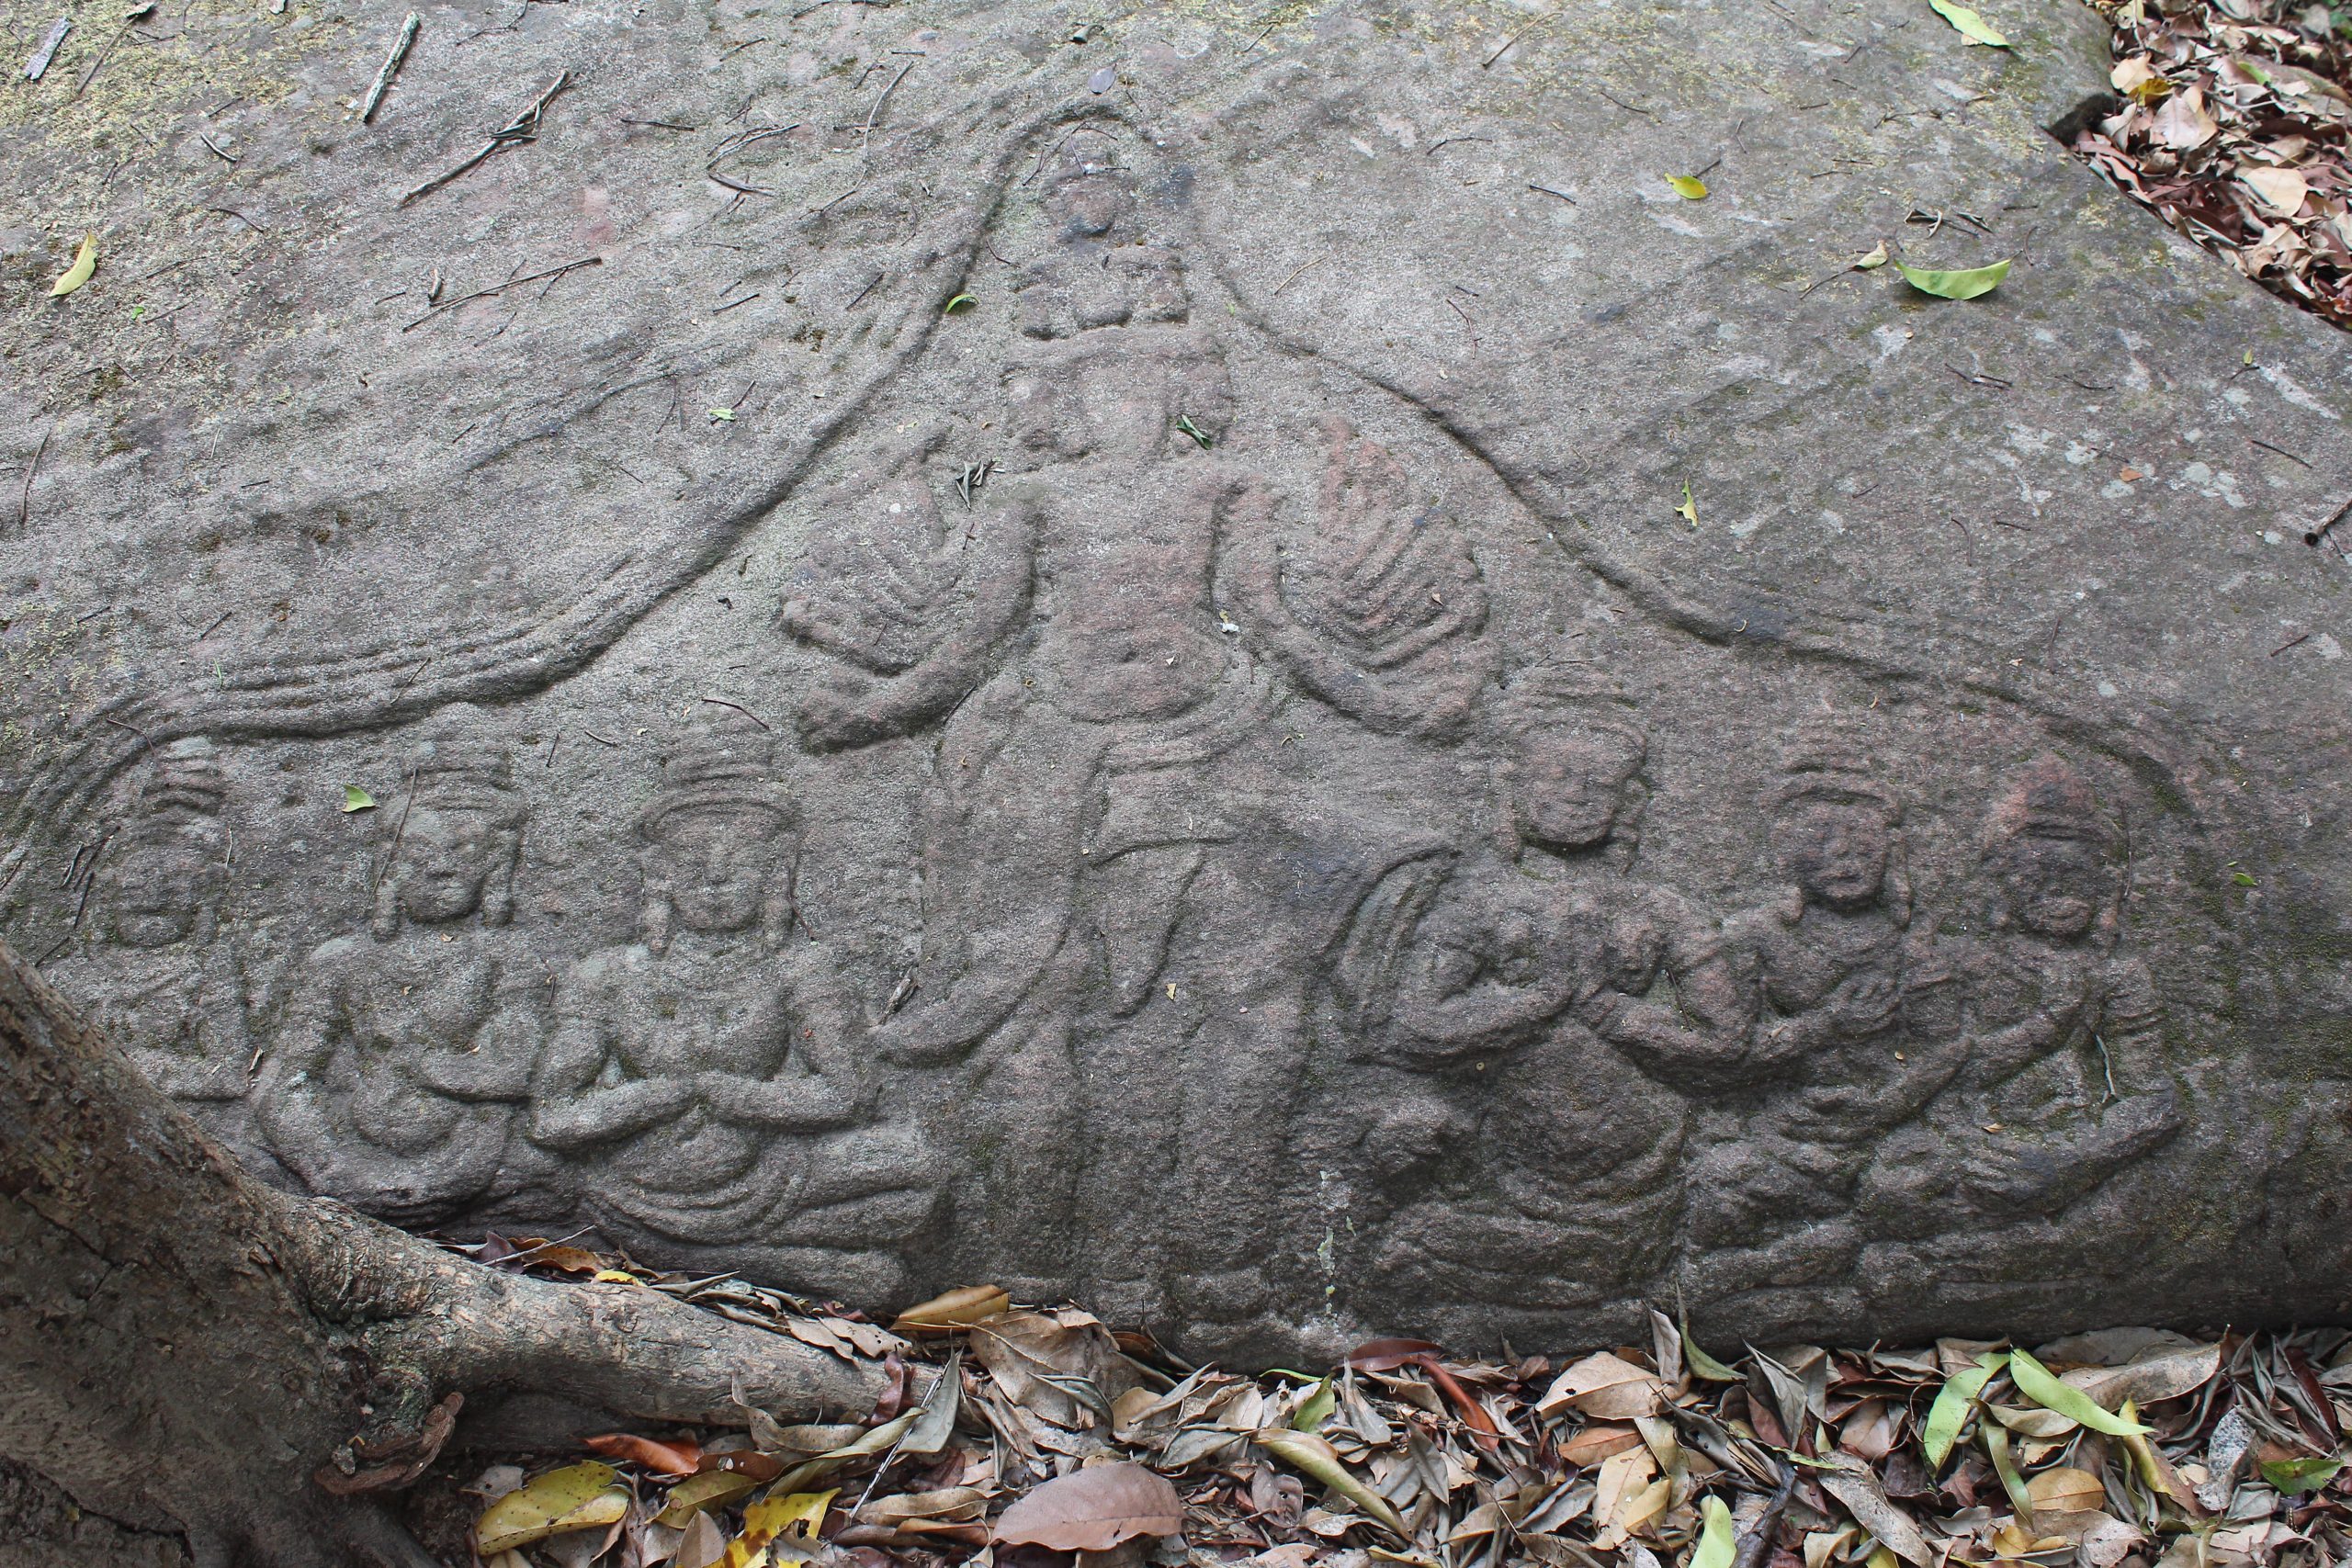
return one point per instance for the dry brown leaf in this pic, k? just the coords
(959, 1308)
(1605, 1386)
(1092, 1510)
(2282, 190)
(2064, 1490)
(1867, 1500)
(2183, 123)
(1599, 1442)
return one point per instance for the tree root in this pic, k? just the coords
(183, 1348)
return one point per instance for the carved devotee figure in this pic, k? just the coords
(153, 968)
(1547, 1018)
(704, 1079)
(2061, 1086)
(403, 1051)
(1859, 1023)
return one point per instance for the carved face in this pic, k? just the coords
(446, 859)
(154, 892)
(1837, 850)
(1573, 785)
(714, 863)
(1092, 205)
(2056, 886)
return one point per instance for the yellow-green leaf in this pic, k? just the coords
(1703, 1365)
(2296, 1476)
(1968, 24)
(1876, 258)
(705, 1490)
(357, 799)
(1305, 1452)
(575, 1497)
(957, 306)
(1689, 187)
(1315, 1408)
(1966, 283)
(1689, 510)
(85, 262)
(2035, 1382)
(1950, 1412)
(1996, 1445)
(1716, 1544)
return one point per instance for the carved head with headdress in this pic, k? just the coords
(717, 839)
(457, 833)
(1573, 751)
(1098, 271)
(2055, 856)
(1836, 820)
(164, 871)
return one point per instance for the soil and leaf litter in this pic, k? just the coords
(1021, 1435)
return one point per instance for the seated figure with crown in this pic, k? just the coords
(702, 1077)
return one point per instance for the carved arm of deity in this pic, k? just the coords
(1485, 975)
(818, 1086)
(915, 604)
(494, 1064)
(575, 1102)
(290, 1100)
(1705, 1032)
(1378, 610)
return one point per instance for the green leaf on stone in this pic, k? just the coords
(1716, 1545)
(2296, 1476)
(1968, 24)
(1689, 187)
(357, 799)
(727, 415)
(2035, 1382)
(957, 306)
(1965, 284)
(1950, 1412)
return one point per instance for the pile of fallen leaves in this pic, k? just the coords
(2233, 128)
(1022, 1436)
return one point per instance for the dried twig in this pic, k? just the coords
(523, 128)
(502, 287)
(400, 46)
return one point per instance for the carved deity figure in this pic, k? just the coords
(153, 970)
(2058, 1092)
(704, 1077)
(1543, 1020)
(1067, 813)
(404, 1051)
(1858, 1027)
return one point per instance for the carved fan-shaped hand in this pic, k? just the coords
(876, 595)
(1379, 609)
(913, 602)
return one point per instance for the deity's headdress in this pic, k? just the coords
(725, 766)
(177, 813)
(453, 769)
(1829, 757)
(1551, 697)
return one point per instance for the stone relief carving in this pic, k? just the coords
(1858, 1020)
(2034, 1120)
(1197, 993)
(1557, 1013)
(154, 967)
(705, 1077)
(404, 1050)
